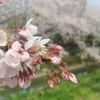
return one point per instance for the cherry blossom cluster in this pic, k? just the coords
(19, 59)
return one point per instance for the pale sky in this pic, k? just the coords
(94, 2)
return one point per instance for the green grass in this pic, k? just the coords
(88, 88)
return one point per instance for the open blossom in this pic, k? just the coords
(34, 49)
(3, 38)
(28, 31)
(7, 71)
(30, 42)
(37, 41)
(12, 58)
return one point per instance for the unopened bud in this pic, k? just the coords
(56, 49)
(36, 60)
(32, 74)
(64, 64)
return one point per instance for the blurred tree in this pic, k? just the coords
(58, 39)
(89, 40)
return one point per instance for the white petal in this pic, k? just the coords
(44, 41)
(3, 38)
(28, 44)
(3, 69)
(1, 54)
(11, 72)
(38, 67)
(26, 84)
(40, 38)
(33, 69)
(28, 22)
(12, 83)
(29, 61)
(2, 60)
(32, 30)
(12, 58)
(19, 68)
(36, 43)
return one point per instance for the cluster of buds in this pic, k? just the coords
(19, 59)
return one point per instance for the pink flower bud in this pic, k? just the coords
(21, 79)
(36, 60)
(16, 46)
(25, 56)
(64, 64)
(53, 79)
(72, 78)
(24, 80)
(22, 33)
(55, 60)
(56, 49)
(51, 83)
(32, 74)
(68, 76)
(56, 78)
